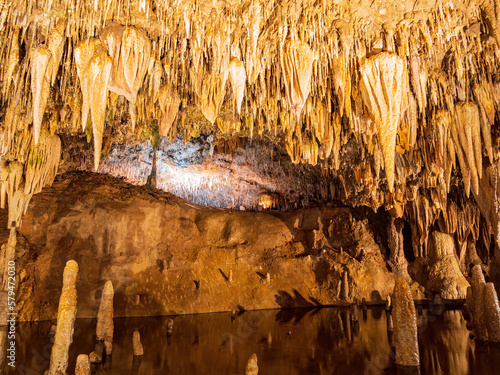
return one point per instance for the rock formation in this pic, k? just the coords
(483, 307)
(405, 325)
(82, 365)
(252, 368)
(136, 342)
(104, 329)
(66, 315)
(444, 275)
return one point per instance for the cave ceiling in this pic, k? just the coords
(386, 104)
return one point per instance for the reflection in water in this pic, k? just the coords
(303, 341)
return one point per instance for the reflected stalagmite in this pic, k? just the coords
(137, 346)
(483, 306)
(66, 315)
(104, 327)
(405, 325)
(82, 365)
(252, 368)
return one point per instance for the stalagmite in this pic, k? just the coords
(105, 325)
(252, 368)
(345, 287)
(297, 64)
(82, 365)
(383, 85)
(65, 319)
(137, 346)
(238, 78)
(40, 86)
(405, 325)
(445, 277)
(483, 306)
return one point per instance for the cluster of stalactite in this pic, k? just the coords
(414, 95)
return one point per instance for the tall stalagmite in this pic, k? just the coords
(66, 315)
(483, 306)
(405, 325)
(105, 325)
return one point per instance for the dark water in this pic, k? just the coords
(301, 341)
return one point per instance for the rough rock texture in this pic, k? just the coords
(483, 307)
(405, 325)
(175, 256)
(82, 365)
(252, 368)
(104, 329)
(65, 319)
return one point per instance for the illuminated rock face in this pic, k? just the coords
(66, 315)
(405, 325)
(163, 254)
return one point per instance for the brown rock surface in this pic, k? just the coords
(172, 253)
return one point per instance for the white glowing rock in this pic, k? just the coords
(384, 86)
(66, 315)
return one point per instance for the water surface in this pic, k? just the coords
(300, 341)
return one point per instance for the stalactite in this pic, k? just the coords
(383, 84)
(297, 63)
(238, 78)
(40, 86)
(466, 132)
(169, 102)
(130, 49)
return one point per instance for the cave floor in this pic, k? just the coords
(289, 341)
